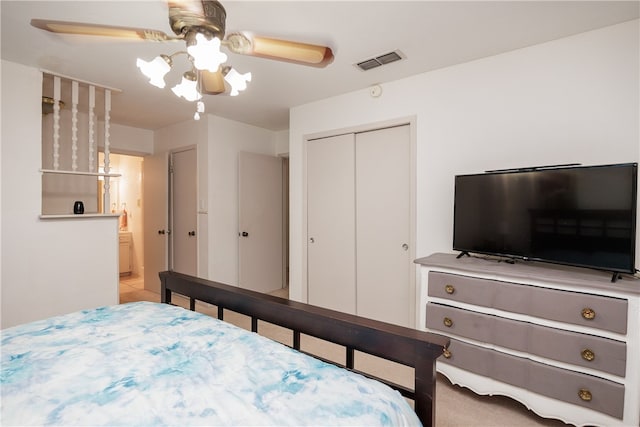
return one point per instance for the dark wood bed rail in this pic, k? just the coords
(406, 346)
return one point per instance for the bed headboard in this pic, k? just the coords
(406, 346)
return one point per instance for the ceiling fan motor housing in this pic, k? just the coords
(211, 18)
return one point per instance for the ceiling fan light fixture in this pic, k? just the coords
(188, 87)
(201, 24)
(206, 52)
(237, 81)
(156, 69)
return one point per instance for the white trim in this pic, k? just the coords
(52, 73)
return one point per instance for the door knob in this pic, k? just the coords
(312, 240)
(245, 234)
(161, 231)
(405, 246)
(192, 233)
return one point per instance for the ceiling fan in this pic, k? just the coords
(201, 24)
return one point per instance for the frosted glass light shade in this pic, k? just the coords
(237, 81)
(155, 70)
(206, 53)
(187, 88)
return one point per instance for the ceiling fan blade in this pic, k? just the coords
(79, 28)
(211, 83)
(282, 50)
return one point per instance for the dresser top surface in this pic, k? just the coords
(534, 271)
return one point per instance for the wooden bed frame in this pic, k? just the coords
(402, 345)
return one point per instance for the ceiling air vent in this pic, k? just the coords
(383, 59)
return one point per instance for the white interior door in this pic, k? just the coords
(155, 192)
(383, 218)
(331, 250)
(184, 216)
(260, 237)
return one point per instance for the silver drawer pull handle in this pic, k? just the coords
(585, 394)
(449, 289)
(447, 322)
(588, 313)
(588, 354)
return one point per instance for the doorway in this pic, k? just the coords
(126, 198)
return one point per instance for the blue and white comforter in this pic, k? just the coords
(156, 364)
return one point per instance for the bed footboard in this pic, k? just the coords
(402, 345)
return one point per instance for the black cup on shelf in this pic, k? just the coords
(78, 207)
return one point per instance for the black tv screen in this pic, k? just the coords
(579, 215)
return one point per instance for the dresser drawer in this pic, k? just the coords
(594, 311)
(580, 389)
(586, 350)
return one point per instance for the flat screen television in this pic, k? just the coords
(574, 215)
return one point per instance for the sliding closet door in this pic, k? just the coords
(383, 200)
(331, 264)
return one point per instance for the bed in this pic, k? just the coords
(159, 364)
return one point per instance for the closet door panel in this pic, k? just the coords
(331, 223)
(383, 224)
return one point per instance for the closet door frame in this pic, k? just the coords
(407, 120)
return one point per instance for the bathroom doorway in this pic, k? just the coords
(125, 194)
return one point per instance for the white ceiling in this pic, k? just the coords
(431, 34)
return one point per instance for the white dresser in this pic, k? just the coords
(563, 341)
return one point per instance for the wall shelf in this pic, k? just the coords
(66, 172)
(80, 216)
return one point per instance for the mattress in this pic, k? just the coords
(156, 364)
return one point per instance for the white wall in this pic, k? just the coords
(282, 143)
(49, 267)
(226, 139)
(570, 100)
(129, 140)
